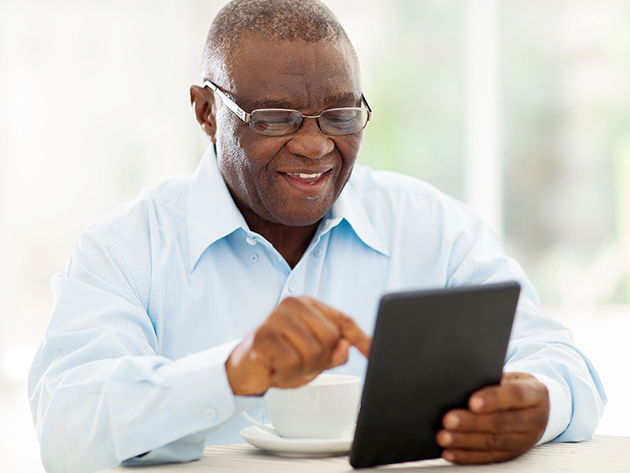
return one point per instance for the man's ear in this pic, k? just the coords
(202, 101)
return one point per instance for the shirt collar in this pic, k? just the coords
(212, 213)
(351, 208)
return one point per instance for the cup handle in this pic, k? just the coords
(254, 422)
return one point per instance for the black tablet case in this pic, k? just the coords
(431, 350)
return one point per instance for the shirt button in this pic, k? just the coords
(253, 258)
(210, 414)
(318, 252)
(251, 240)
(292, 286)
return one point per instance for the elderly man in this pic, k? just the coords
(178, 310)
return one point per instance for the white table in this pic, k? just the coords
(601, 454)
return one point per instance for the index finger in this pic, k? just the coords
(349, 329)
(519, 394)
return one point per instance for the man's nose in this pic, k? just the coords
(309, 141)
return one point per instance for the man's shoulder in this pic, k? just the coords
(400, 191)
(153, 206)
(127, 237)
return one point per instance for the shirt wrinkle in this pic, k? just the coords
(126, 260)
(179, 286)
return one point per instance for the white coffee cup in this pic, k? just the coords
(325, 408)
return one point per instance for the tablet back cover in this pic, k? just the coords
(431, 350)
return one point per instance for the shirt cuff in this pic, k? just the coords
(196, 397)
(560, 408)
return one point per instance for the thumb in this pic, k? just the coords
(340, 353)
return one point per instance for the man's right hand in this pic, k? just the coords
(301, 338)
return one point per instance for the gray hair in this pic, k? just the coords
(290, 20)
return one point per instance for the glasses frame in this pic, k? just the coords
(247, 117)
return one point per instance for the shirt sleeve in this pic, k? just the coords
(99, 392)
(538, 344)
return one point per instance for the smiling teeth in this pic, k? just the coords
(305, 176)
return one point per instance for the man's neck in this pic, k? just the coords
(290, 242)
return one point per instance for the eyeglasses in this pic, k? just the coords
(283, 122)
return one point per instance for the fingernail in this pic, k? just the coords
(476, 403)
(447, 438)
(451, 421)
(448, 456)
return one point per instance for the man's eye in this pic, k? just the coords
(342, 120)
(270, 126)
(342, 123)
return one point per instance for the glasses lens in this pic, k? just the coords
(275, 122)
(343, 121)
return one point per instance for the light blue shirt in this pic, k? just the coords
(157, 294)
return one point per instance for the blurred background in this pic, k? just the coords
(521, 108)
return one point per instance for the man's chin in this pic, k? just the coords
(301, 212)
(302, 219)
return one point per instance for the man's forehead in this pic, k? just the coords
(251, 45)
(332, 100)
(328, 68)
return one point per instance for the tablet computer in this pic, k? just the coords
(431, 350)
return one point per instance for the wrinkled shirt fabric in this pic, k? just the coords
(157, 294)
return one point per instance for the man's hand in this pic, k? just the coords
(301, 338)
(501, 422)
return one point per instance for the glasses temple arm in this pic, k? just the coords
(242, 114)
(370, 113)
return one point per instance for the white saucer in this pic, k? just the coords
(295, 447)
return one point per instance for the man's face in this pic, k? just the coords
(263, 172)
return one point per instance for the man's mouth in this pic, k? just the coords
(306, 177)
(308, 183)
